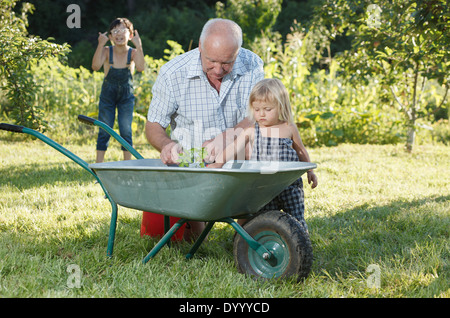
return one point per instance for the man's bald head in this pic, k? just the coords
(221, 30)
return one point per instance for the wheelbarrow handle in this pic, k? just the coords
(12, 128)
(87, 120)
(79, 161)
(48, 141)
(91, 121)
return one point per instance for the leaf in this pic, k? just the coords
(388, 50)
(338, 132)
(327, 115)
(192, 158)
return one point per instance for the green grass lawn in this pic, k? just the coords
(378, 212)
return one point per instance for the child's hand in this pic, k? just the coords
(136, 39)
(312, 179)
(102, 38)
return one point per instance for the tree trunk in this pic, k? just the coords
(410, 138)
(412, 113)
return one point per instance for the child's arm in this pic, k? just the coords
(302, 154)
(138, 54)
(100, 52)
(235, 150)
(216, 145)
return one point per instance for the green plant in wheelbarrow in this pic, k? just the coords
(193, 158)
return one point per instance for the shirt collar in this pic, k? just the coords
(195, 65)
(238, 67)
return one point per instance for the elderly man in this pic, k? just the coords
(203, 94)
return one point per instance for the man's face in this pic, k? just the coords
(218, 57)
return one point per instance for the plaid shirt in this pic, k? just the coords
(183, 97)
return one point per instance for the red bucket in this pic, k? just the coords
(153, 226)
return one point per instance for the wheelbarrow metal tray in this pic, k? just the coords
(203, 194)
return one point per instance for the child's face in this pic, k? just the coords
(265, 113)
(120, 35)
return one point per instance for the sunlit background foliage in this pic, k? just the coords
(356, 73)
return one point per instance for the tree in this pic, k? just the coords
(404, 41)
(18, 51)
(254, 17)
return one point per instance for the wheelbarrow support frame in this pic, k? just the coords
(255, 245)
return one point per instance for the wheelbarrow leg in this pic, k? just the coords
(165, 239)
(167, 226)
(112, 230)
(200, 239)
(113, 224)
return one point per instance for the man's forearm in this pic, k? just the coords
(156, 135)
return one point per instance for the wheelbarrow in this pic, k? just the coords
(270, 245)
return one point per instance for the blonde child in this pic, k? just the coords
(274, 137)
(119, 62)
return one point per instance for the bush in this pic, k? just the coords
(441, 131)
(18, 51)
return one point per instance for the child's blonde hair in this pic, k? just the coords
(272, 90)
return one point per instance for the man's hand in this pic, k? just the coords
(157, 137)
(217, 145)
(211, 151)
(214, 147)
(169, 153)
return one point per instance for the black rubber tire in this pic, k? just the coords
(285, 237)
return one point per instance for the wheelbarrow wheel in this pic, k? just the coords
(286, 239)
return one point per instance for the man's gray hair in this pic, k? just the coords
(226, 25)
